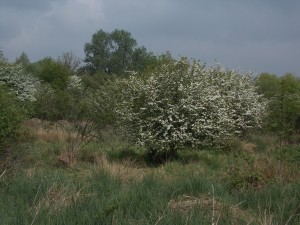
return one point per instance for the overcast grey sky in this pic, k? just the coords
(256, 35)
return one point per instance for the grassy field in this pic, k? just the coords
(256, 181)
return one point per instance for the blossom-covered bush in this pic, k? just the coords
(14, 76)
(183, 103)
(75, 83)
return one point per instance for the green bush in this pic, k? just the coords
(283, 94)
(53, 73)
(11, 116)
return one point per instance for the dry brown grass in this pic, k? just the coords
(56, 198)
(265, 217)
(30, 172)
(249, 148)
(269, 167)
(45, 131)
(273, 169)
(125, 170)
(184, 204)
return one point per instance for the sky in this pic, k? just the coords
(257, 35)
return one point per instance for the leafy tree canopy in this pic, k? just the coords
(283, 94)
(53, 72)
(115, 52)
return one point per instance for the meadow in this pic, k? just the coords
(254, 180)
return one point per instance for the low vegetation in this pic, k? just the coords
(113, 182)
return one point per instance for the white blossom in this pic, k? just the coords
(75, 82)
(182, 103)
(19, 81)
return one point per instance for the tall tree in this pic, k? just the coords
(114, 52)
(141, 59)
(98, 51)
(283, 94)
(53, 72)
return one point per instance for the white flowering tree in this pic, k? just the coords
(183, 103)
(75, 82)
(14, 76)
(14, 82)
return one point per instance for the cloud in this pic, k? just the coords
(62, 27)
(262, 35)
(26, 5)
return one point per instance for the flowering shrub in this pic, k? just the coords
(23, 84)
(75, 83)
(183, 103)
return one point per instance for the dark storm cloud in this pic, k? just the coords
(228, 21)
(257, 35)
(216, 20)
(50, 31)
(260, 35)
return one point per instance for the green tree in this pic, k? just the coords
(98, 52)
(288, 101)
(141, 59)
(53, 72)
(283, 94)
(268, 84)
(11, 116)
(122, 46)
(115, 52)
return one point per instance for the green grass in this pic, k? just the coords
(112, 183)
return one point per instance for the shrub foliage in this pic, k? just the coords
(283, 94)
(11, 116)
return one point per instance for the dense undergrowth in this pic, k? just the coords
(252, 181)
